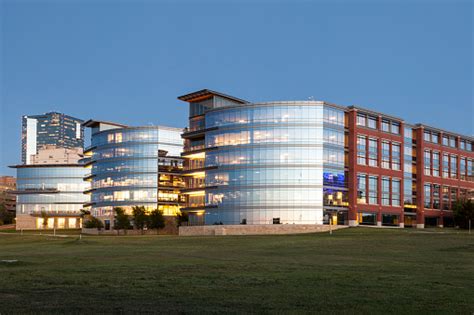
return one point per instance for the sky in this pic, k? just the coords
(128, 61)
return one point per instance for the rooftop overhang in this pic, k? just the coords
(45, 165)
(95, 123)
(205, 93)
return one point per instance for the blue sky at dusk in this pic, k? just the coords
(127, 61)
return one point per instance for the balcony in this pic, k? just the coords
(55, 213)
(35, 191)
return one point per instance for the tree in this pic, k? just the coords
(85, 213)
(181, 217)
(44, 215)
(463, 211)
(93, 222)
(156, 220)
(5, 216)
(122, 220)
(140, 218)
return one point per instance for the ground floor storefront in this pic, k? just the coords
(34, 222)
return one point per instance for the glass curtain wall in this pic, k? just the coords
(271, 161)
(51, 189)
(124, 170)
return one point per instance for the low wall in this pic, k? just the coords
(244, 229)
(127, 232)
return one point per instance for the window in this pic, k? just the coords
(435, 162)
(445, 193)
(428, 196)
(427, 161)
(434, 137)
(468, 146)
(385, 125)
(395, 127)
(436, 204)
(385, 191)
(462, 168)
(333, 116)
(385, 154)
(373, 148)
(395, 192)
(361, 120)
(445, 140)
(372, 122)
(373, 190)
(454, 196)
(361, 150)
(361, 188)
(408, 190)
(367, 218)
(452, 142)
(462, 145)
(445, 166)
(454, 166)
(395, 156)
(427, 136)
(470, 171)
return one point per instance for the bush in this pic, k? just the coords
(181, 218)
(156, 220)
(93, 223)
(5, 216)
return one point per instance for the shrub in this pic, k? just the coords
(93, 223)
(156, 220)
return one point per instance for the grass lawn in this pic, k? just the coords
(357, 270)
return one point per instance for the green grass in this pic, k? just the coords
(360, 270)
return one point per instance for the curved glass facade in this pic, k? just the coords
(274, 162)
(125, 164)
(53, 189)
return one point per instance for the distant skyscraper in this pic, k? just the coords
(50, 129)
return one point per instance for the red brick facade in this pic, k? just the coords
(375, 134)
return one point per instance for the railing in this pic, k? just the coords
(55, 213)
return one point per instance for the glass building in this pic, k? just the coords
(311, 162)
(50, 129)
(264, 163)
(50, 192)
(133, 166)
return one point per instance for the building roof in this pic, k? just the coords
(45, 165)
(375, 113)
(205, 93)
(94, 123)
(471, 138)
